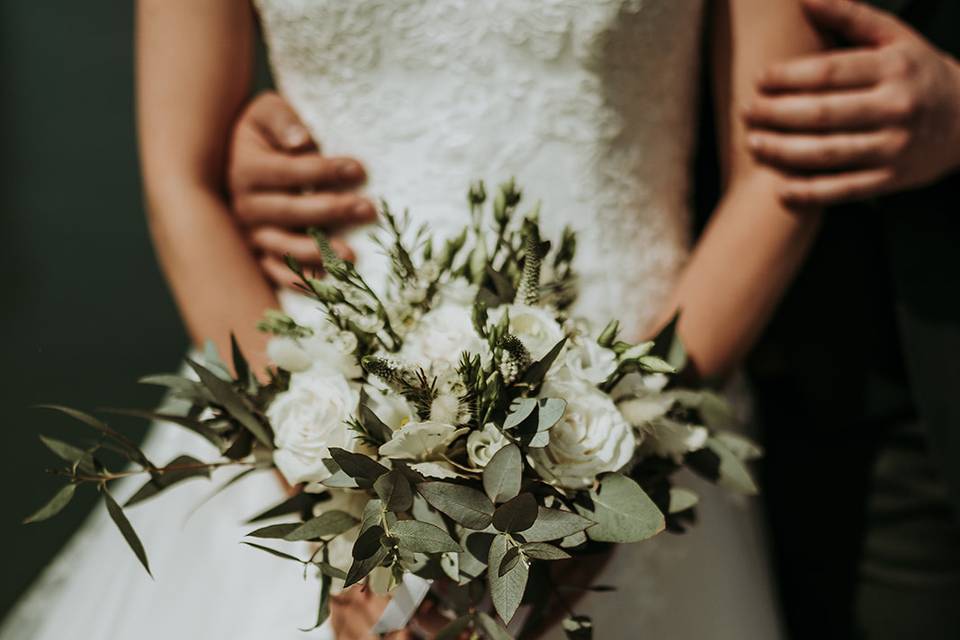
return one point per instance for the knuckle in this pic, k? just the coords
(828, 72)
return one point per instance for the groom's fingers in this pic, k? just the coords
(830, 189)
(274, 171)
(800, 152)
(280, 241)
(839, 70)
(848, 110)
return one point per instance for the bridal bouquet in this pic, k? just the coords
(459, 425)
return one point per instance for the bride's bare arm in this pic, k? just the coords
(753, 244)
(193, 68)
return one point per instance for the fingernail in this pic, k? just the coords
(349, 170)
(364, 210)
(296, 135)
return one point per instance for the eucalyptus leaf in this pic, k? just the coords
(395, 492)
(420, 537)
(682, 499)
(516, 515)
(509, 561)
(132, 450)
(361, 568)
(380, 432)
(535, 374)
(326, 580)
(733, 473)
(180, 387)
(126, 530)
(368, 542)
(506, 590)
(297, 503)
(554, 524)
(232, 402)
(191, 468)
(274, 531)
(491, 628)
(328, 569)
(465, 505)
(274, 552)
(328, 523)
(520, 410)
(544, 551)
(192, 424)
(358, 466)
(453, 630)
(503, 474)
(623, 511)
(240, 364)
(56, 504)
(423, 512)
(550, 413)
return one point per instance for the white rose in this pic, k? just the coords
(441, 335)
(421, 441)
(587, 360)
(325, 352)
(483, 443)
(307, 420)
(458, 291)
(591, 438)
(536, 327)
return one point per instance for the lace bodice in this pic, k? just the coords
(590, 104)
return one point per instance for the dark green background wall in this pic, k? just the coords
(83, 309)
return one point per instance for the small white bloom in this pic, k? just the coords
(536, 327)
(330, 354)
(458, 291)
(307, 420)
(588, 361)
(643, 408)
(672, 439)
(421, 441)
(591, 438)
(482, 444)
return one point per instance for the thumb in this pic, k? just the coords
(858, 22)
(278, 122)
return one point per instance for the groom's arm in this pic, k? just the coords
(880, 116)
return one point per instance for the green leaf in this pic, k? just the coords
(56, 504)
(326, 580)
(232, 402)
(192, 424)
(453, 630)
(180, 387)
(126, 529)
(503, 474)
(159, 482)
(240, 364)
(506, 591)
(328, 569)
(623, 511)
(374, 425)
(368, 542)
(733, 473)
(491, 628)
(667, 345)
(501, 285)
(65, 451)
(554, 524)
(653, 364)
(538, 370)
(509, 561)
(551, 410)
(274, 552)
(423, 512)
(361, 568)
(516, 515)
(420, 537)
(274, 531)
(682, 499)
(465, 505)
(357, 465)
(328, 523)
(578, 628)
(132, 450)
(297, 503)
(520, 410)
(395, 492)
(544, 551)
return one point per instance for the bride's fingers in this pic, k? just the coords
(277, 271)
(276, 171)
(839, 70)
(280, 241)
(846, 110)
(824, 190)
(323, 210)
(799, 152)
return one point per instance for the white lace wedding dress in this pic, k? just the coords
(591, 105)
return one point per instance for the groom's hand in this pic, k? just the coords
(880, 116)
(280, 184)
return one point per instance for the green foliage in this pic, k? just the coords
(623, 511)
(465, 505)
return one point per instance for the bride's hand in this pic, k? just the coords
(280, 184)
(354, 612)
